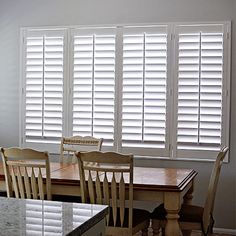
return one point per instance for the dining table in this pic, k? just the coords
(171, 186)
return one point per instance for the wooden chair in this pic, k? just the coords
(194, 217)
(111, 183)
(70, 145)
(24, 170)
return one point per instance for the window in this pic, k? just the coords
(160, 90)
(201, 94)
(44, 74)
(144, 88)
(93, 78)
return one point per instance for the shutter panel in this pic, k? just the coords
(200, 88)
(44, 73)
(94, 83)
(144, 101)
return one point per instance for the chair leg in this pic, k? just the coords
(163, 231)
(145, 232)
(156, 226)
(186, 232)
(211, 226)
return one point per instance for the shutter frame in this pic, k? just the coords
(49, 68)
(99, 104)
(207, 150)
(145, 57)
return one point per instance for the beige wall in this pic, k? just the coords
(18, 13)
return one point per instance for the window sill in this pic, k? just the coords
(151, 158)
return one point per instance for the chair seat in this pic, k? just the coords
(188, 213)
(139, 216)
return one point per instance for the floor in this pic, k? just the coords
(199, 234)
(194, 233)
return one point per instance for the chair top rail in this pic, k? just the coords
(25, 153)
(85, 140)
(105, 157)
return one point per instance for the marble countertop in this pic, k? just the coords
(44, 218)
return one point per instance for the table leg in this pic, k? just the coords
(188, 201)
(172, 205)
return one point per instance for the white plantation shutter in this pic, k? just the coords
(144, 95)
(200, 90)
(157, 90)
(43, 89)
(94, 83)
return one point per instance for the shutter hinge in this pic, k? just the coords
(21, 140)
(227, 92)
(22, 90)
(227, 35)
(172, 36)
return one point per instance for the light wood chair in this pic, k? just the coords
(194, 217)
(24, 170)
(111, 183)
(70, 145)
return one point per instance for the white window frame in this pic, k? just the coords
(205, 154)
(76, 32)
(165, 151)
(49, 31)
(170, 151)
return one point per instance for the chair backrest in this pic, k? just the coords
(212, 187)
(70, 145)
(24, 170)
(105, 180)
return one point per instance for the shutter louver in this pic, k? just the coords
(94, 84)
(200, 89)
(144, 90)
(44, 87)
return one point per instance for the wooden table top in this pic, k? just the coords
(161, 179)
